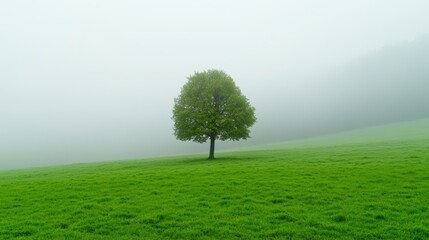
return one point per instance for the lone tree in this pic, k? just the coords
(211, 106)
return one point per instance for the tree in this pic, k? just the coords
(211, 106)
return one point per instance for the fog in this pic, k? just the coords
(96, 80)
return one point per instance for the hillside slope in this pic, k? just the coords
(399, 131)
(367, 184)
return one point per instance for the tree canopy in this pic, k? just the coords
(211, 106)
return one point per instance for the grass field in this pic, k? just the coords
(364, 184)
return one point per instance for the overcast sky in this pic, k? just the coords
(95, 80)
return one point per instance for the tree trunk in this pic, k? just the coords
(212, 146)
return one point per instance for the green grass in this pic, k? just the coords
(356, 185)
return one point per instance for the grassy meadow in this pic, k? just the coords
(364, 184)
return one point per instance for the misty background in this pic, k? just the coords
(96, 80)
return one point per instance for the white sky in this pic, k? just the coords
(92, 80)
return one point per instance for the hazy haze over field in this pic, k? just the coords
(95, 80)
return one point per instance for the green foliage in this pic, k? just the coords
(210, 105)
(374, 189)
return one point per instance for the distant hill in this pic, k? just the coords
(387, 86)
